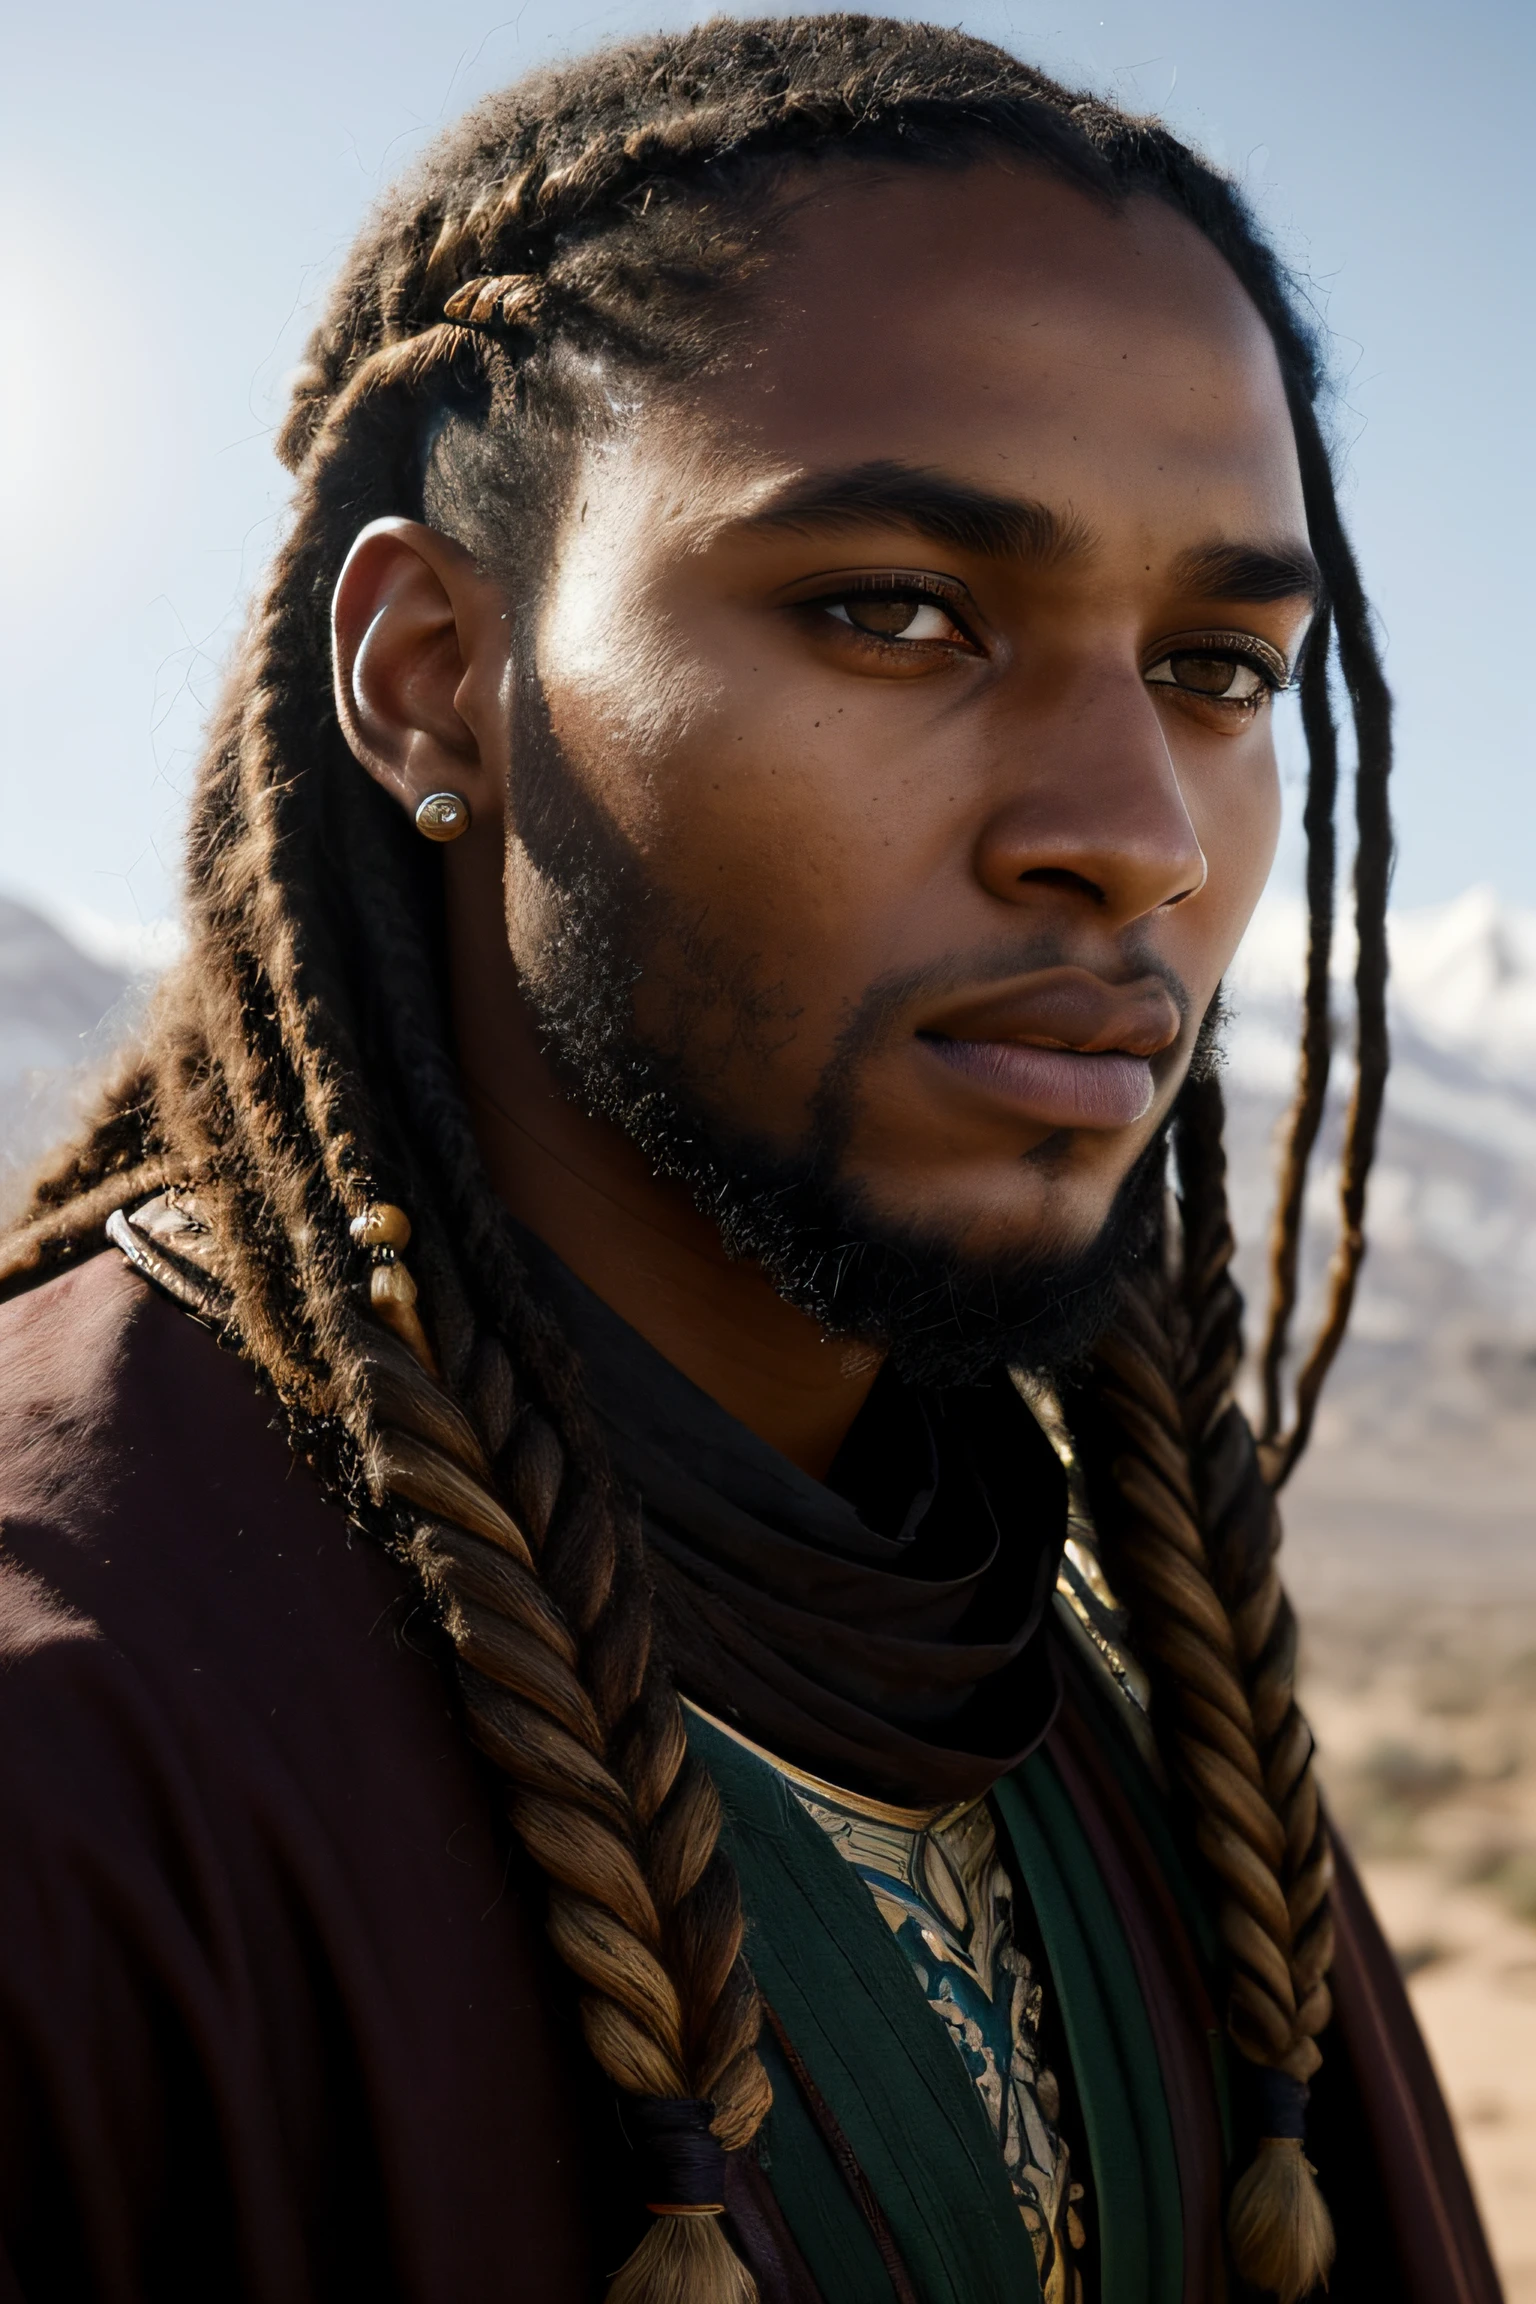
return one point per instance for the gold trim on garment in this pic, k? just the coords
(822, 1787)
(1086, 1605)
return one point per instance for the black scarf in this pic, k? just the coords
(886, 1629)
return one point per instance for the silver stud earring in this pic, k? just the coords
(443, 816)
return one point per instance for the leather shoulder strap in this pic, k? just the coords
(171, 1242)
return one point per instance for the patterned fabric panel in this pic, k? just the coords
(945, 1895)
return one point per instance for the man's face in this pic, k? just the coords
(910, 684)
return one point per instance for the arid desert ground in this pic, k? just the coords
(1416, 1577)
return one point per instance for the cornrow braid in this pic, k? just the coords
(299, 1073)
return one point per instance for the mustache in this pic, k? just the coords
(882, 1007)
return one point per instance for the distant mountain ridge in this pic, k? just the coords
(1445, 1325)
(52, 994)
(62, 1012)
(1463, 977)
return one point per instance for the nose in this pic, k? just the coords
(1090, 805)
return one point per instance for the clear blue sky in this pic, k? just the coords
(180, 180)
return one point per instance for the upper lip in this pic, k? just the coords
(1069, 1008)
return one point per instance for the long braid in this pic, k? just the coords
(1190, 1507)
(301, 1071)
(1371, 708)
(1241, 1524)
(677, 2015)
(1191, 1533)
(1317, 1013)
(551, 1619)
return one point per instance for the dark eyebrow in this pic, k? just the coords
(1257, 572)
(912, 496)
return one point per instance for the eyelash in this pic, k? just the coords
(879, 585)
(1225, 648)
(1232, 647)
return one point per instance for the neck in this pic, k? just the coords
(639, 1243)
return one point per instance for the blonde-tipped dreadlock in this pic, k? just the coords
(300, 1074)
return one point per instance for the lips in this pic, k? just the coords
(1066, 1048)
(1052, 1085)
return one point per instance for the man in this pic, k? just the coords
(808, 520)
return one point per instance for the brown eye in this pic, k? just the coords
(1224, 679)
(889, 618)
(1209, 675)
(895, 616)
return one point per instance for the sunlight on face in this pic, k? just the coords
(918, 670)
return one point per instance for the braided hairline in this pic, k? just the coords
(551, 185)
(280, 1075)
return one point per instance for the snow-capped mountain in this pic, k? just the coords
(1445, 1325)
(62, 1011)
(53, 995)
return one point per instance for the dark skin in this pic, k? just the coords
(992, 717)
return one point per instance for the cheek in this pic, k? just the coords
(1236, 812)
(766, 816)
(815, 845)
(789, 870)
(626, 701)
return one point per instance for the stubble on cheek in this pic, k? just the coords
(612, 946)
(628, 830)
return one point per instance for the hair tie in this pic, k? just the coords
(1281, 2102)
(1277, 2220)
(682, 2160)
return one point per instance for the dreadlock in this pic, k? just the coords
(299, 1073)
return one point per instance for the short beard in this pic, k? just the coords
(943, 1317)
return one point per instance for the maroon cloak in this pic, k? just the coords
(277, 2022)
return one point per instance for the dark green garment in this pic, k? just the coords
(1114, 2057)
(850, 2004)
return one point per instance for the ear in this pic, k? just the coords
(421, 646)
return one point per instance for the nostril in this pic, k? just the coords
(1056, 876)
(1193, 889)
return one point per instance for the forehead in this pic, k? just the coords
(1000, 326)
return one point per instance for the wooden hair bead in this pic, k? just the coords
(390, 1284)
(392, 1294)
(381, 1226)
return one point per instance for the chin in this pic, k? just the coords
(1040, 1207)
(948, 1303)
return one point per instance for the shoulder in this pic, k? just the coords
(164, 1558)
(135, 1452)
(253, 1886)
(109, 1393)
(219, 1702)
